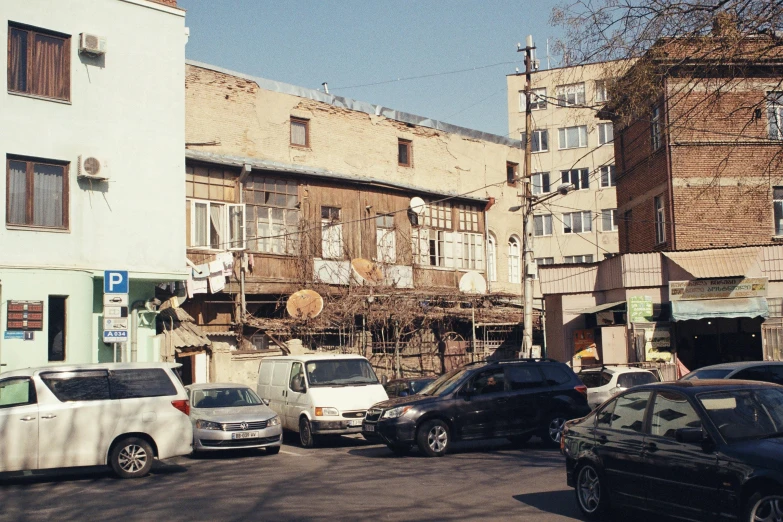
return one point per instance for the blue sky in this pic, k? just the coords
(351, 43)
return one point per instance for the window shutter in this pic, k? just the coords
(448, 247)
(479, 252)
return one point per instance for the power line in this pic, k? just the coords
(424, 76)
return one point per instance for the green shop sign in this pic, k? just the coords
(640, 309)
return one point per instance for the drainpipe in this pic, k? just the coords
(134, 351)
(668, 160)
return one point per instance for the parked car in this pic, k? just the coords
(121, 414)
(404, 387)
(515, 399)
(694, 450)
(605, 382)
(319, 394)
(227, 416)
(766, 371)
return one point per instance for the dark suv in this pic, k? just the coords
(516, 399)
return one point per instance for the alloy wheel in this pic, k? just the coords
(555, 429)
(132, 458)
(589, 488)
(437, 438)
(768, 509)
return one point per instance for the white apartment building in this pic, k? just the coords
(94, 118)
(570, 145)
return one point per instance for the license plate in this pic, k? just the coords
(245, 435)
(369, 427)
(355, 422)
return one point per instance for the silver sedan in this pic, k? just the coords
(227, 416)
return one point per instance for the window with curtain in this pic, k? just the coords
(577, 222)
(39, 63)
(37, 194)
(608, 178)
(492, 256)
(573, 137)
(569, 95)
(542, 225)
(539, 183)
(300, 132)
(513, 259)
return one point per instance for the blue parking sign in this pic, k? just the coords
(115, 282)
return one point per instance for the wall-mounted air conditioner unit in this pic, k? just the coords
(92, 45)
(92, 168)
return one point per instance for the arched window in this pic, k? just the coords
(492, 258)
(513, 259)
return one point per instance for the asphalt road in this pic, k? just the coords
(347, 479)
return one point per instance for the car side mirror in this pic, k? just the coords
(689, 435)
(384, 380)
(298, 385)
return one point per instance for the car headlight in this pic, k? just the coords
(274, 421)
(326, 412)
(395, 413)
(208, 425)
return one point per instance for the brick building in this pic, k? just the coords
(699, 155)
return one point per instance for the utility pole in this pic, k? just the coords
(527, 205)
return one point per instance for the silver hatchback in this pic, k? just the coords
(229, 416)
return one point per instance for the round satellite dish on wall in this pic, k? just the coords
(304, 304)
(417, 205)
(366, 271)
(473, 283)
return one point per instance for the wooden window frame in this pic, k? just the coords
(512, 173)
(30, 192)
(306, 123)
(66, 65)
(408, 144)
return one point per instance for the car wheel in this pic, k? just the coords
(131, 457)
(552, 430)
(764, 506)
(306, 438)
(519, 440)
(433, 438)
(272, 450)
(401, 450)
(590, 494)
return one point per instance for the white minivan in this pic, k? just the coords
(319, 394)
(121, 414)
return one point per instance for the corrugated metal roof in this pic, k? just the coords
(734, 262)
(772, 262)
(180, 331)
(316, 172)
(568, 279)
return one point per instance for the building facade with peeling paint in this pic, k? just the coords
(293, 184)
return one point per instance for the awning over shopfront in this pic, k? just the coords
(714, 263)
(600, 308)
(750, 307)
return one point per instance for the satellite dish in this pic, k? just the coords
(304, 304)
(417, 205)
(366, 271)
(473, 283)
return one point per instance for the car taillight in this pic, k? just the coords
(581, 389)
(182, 405)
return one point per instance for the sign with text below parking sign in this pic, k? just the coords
(115, 282)
(115, 336)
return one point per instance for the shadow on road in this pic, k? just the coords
(159, 468)
(555, 502)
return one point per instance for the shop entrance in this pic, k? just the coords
(703, 342)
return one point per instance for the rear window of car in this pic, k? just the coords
(628, 380)
(707, 374)
(134, 384)
(555, 375)
(595, 379)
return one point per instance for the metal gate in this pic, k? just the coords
(772, 339)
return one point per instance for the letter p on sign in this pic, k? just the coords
(115, 282)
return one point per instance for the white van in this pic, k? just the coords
(121, 414)
(319, 394)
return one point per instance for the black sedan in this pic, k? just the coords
(695, 450)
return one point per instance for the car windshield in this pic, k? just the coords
(340, 372)
(445, 383)
(745, 414)
(706, 374)
(628, 380)
(224, 398)
(417, 386)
